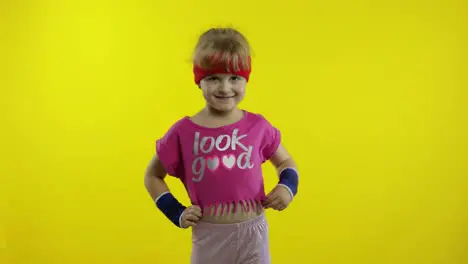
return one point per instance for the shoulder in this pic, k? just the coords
(178, 125)
(174, 129)
(255, 117)
(258, 119)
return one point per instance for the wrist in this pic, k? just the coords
(289, 178)
(170, 207)
(287, 189)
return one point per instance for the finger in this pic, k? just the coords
(192, 217)
(272, 194)
(267, 203)
(281, 206)
(196, 210)
(271, 202)
(190, 223)
(276, 204)
(270, 198)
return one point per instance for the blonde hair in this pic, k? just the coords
(222, 47)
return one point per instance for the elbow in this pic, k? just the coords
(151, 177)
(147, 180)
(287, 163)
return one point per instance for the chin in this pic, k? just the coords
(224, 108)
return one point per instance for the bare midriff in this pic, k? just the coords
(231, 214)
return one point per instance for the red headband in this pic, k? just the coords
(201, 73)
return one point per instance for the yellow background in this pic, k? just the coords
(371, 97)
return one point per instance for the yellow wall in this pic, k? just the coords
(371, 98)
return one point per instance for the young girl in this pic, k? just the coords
(217, 154)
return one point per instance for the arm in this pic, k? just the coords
(272, 150)
(163, 198)
(286, 169)
(154, 178)
(282, 159)
(159, 192)
(167, 161)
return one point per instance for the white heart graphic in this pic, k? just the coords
(229, 161)
(212, 163)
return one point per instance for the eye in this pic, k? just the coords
(212, 78)
(236, 78)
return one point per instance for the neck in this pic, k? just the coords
(216, 113)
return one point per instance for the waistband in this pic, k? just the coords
(258, 220)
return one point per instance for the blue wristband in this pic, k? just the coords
(171, 207)
(289, 178)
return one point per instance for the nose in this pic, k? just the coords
(224, 87)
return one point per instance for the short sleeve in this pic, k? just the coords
(271, 140)
(169, 151)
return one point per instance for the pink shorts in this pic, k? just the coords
(240, 243)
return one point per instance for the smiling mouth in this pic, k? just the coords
(224, 97)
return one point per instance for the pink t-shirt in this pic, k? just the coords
(220, 166)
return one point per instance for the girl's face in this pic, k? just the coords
(223, 92)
